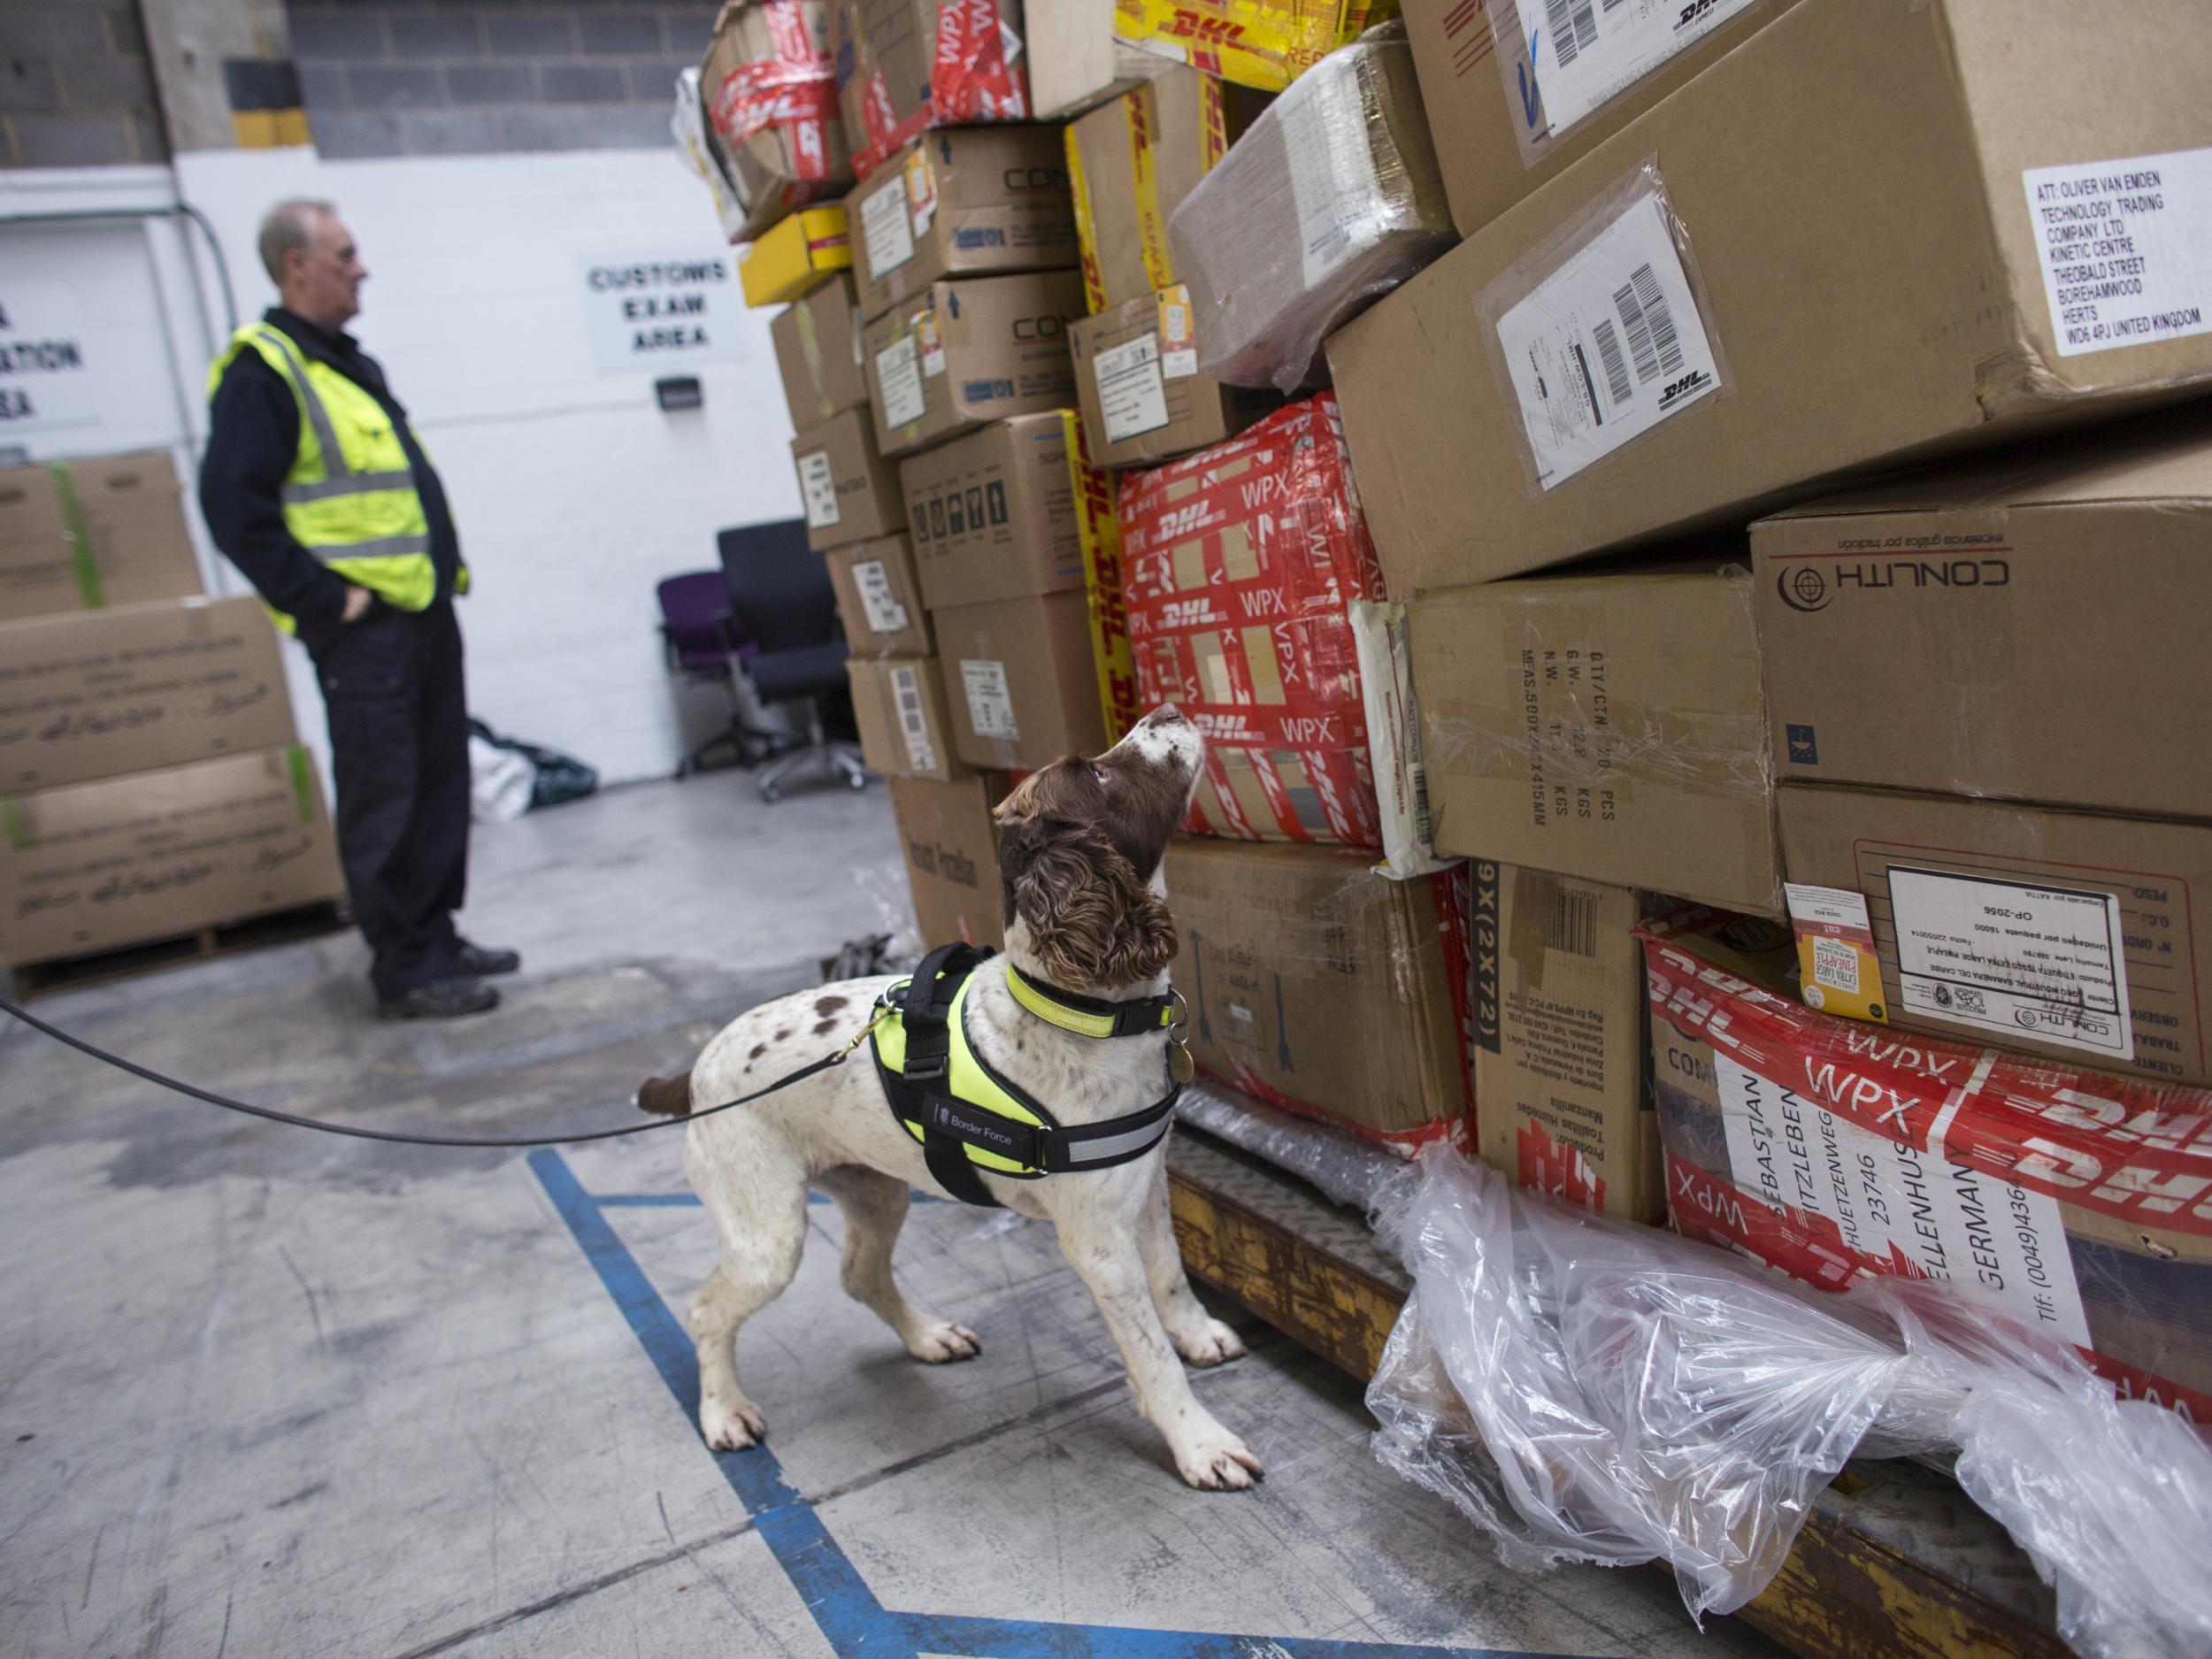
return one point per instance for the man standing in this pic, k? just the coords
(316, 489)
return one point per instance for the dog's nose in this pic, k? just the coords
(1167, 714)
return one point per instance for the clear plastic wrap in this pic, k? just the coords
(1586, 1390)
(770, 100)
(1348, 1169)
(1329, 200)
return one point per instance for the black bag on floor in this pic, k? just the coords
(560, 777)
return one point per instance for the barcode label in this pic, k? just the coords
(885, 613)
(817, 488)
(1423, 827)
(1573, 27)
(1566, 358)
(921, 753)
(1572, 925)
(1598, 52)
(1616, 370)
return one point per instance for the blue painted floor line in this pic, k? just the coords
(855, 1623)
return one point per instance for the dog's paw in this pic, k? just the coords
(1218, 1460)
(941, 1342)
(1210, 1342)
(731, 1428)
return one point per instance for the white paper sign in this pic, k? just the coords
(1584, 53)
(885, 229)
(46, 382)
(1610, 345)
(885, 614)
(990, 706)
(2126, 248)
(2017, 958)
(818, 489)
(921, 753)
(1899, 1205)
(1131, 398)
(899, 379)
(664, 314)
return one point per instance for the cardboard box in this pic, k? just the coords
(2071, 935)
(1331, 201)
(1131, 163)
(1560, 1037)
(76, 535)
(2028, 627)
(1075, 61)
(96, 693)
(1893, 125)
(899, 705)
(94, 866)
(1261, 43)
(971, 201)
(794, 256)
(1607, 726)
(1833, 1153)
(1504, 125)
(950, 846)
(878, 600)
(1238, 561)
(994, 514)
(850, 492)
(966, 352)
(1144, 401)
(817, 352)
(771, 102)
(1020, 681)
(906, 65)
(1319, 986)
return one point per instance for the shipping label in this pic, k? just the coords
(2126, 248)
(1178, 339)
(906, 691)
(1341, 206)
(885, 228)
(1853, 1202)
(1609, 345)
(819, 490)
(1131, 398)
(885, 614)
(990, 705)
(1584, 53)
(899, 380)
(2021, 958)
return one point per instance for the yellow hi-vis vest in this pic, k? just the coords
(350, 498)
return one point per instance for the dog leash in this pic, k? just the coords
(360, 1133)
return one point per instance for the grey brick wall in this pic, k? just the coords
(76, 88)
(456, 77)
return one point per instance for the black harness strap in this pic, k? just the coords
(946, 1125)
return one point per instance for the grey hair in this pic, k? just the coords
(287, 226)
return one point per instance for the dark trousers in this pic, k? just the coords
(399, 744)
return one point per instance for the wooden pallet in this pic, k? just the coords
(280, 928)
(1895, 1560)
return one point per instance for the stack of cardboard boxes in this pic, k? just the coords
(1903, 722)
(1684, 719)
(151, 780)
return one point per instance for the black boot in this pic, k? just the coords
(440, 998)
(478, 963)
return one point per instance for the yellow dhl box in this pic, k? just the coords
(794, 255)
(1263, 44)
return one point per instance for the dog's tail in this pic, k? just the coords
(670, 1096)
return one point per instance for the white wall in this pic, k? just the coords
(574, 493)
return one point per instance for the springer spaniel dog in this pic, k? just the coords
(1081, 845)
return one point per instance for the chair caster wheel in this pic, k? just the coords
(771, 793)
(857, 782)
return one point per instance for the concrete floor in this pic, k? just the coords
(268, 1392)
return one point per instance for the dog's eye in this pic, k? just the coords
(1099, 773)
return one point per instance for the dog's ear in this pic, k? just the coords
(1092, 921)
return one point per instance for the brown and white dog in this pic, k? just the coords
(1081, 845)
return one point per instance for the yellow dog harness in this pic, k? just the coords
(969, 1118)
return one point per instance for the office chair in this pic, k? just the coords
(705, 649)
(781, 600)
